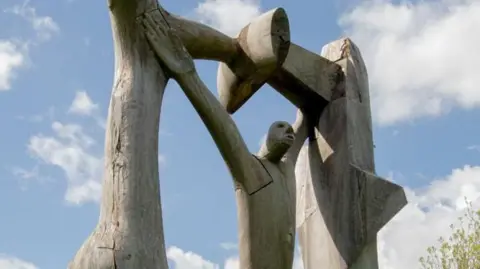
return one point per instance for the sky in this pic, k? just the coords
(56, 76)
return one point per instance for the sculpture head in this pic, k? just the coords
(279, 139)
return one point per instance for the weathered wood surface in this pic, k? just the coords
(341, 204)
(306, 79)
(303, 77)
(264, 42)
(265, 184)
(129, 233)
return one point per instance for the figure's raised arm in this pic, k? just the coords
(300, 130)
(221, 126)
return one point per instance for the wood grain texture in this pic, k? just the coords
(129, 233)
(265, 191)
(263, 46)
(265, 188)
(202, 41)
(305, 78)
(341, 204)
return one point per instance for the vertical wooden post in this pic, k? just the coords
(341, 204)
(129, 233)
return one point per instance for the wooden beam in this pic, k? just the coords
(303, 77)
(306, 79)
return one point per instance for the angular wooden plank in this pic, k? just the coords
(352, 203)
(306, 78)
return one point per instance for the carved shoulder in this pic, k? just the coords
(261, 179)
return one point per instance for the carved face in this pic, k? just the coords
(280, 132)
(279, 139)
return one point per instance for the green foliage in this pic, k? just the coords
(461, 250)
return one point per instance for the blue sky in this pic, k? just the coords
(56, 74)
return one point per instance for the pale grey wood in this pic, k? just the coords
(129, 233)
(264, 42)
(264, 184)
(306, 79)
(303, 77)
(341, 204)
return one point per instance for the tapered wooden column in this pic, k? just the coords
(129, 233)
(341, 203)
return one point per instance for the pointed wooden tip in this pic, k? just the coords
(341, 49)
(381, 199)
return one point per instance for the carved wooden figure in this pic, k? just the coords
(129, 233)
(341, 204)
(265, 183)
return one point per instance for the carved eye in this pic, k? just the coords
(281, 125)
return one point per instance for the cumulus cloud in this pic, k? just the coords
(421, 56)
(228, 16)
(263, 140)
(14, 53)
(233, 263)
(82, 104)
(427, 217)
(189, 260)
(429, 214)
(44, 26)
(69, 149)
(10, 262)
(12, 57)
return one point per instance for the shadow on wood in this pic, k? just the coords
(341, 204)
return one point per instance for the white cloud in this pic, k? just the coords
(232, 263)
(14, 53)
(10, 262)
(82, 104)
(12, 57)
(427, 217)
(262, 141)
(188, 260)
(44, 26)
(421, 57)
(228, 16)
(69, 149)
